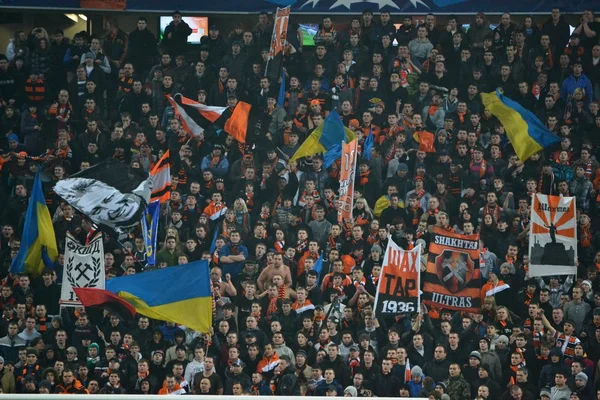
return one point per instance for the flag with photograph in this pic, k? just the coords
(110, 193)
(398, 289)
(84, 268)
(278, 39)
(552, 236)
(452, 279)
(347, 173)
(150, 230)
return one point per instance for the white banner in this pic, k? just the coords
(552, 236)
(398, 289)
(84, 268)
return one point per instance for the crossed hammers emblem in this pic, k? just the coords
(459, 272)
(82, 269)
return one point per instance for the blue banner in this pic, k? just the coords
(150, 230)
(330, 6)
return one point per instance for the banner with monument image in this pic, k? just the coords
(553, 236)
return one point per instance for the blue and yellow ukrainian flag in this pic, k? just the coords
(180, 294)
(38, 244)
(327, 136)
(526, 132)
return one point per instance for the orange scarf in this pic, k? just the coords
(281, 291)
(482, 167)
(364, 178)
(272, 307)
(586, 236)
(433, 109)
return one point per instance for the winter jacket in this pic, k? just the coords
(116, 47)
(386, 385)
(7, 380)
(283, 350)
(286, 383)
(551, 369)
(9, 348)
(577, 312)
(438, 370)
(109, 389)
(420, 49)
(40, 62)
(142, 49)
(178, 41)
(571, 83)
(581, 188)
(458, 388)
(321, 388)
(491, 358)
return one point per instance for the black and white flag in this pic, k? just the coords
(110, 193)
(84, 268)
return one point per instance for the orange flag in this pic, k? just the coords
(237, 124)
(425, 140)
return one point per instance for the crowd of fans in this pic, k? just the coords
(280, 327)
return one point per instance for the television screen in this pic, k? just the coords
(308, 33)
(199, 27)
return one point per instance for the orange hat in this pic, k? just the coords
(22, 154)
(354, 123)
(419, 177)
(315, 102)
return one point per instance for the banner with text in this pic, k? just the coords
(398, 289)
(321, 7)
(278, 38)
(84, 268)
(452, 279)
(553, 236)
(347, 173)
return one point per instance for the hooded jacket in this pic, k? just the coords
(549, 370)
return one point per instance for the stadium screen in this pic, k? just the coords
(308, 33)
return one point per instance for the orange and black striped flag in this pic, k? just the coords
(161, 173)
(452, 279)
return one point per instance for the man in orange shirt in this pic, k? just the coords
(494, 286)
(171, 387)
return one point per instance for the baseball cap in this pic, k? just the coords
(238, 363)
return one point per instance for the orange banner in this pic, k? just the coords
(347, 172)
(104, 4)
(452, 279)
(279, 31)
